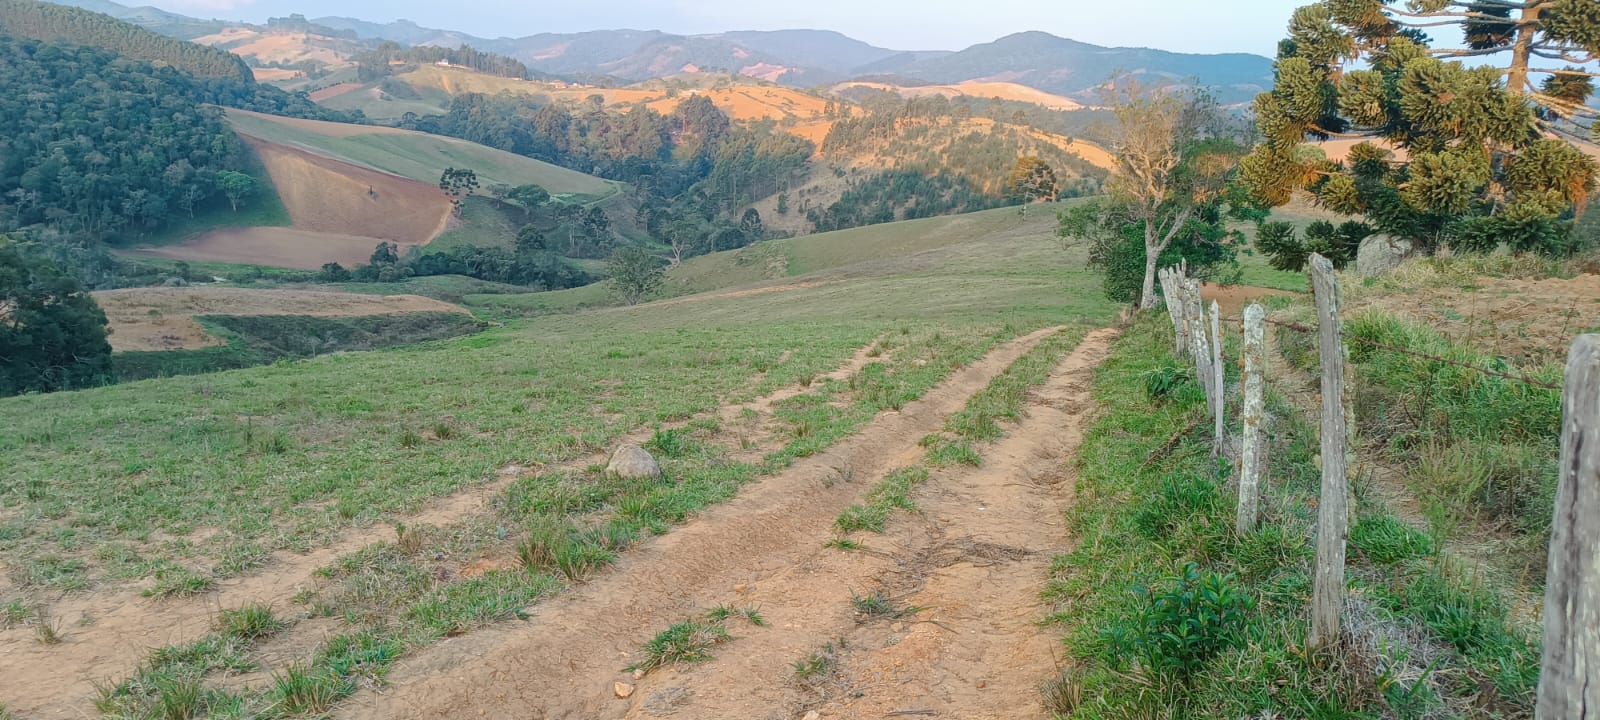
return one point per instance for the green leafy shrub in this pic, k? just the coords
(1387, 541)
(1181, 623)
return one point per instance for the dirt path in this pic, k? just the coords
(51, 681)
(765, 548)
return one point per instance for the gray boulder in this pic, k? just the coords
(1381, 254)
(631, 462)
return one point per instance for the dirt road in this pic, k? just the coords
(975, 558)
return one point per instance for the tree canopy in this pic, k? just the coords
(52, 334)
(635, 274)
(1467, 156)
(51, 22)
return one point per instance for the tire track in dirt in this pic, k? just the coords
(562, 663)
(975, 555)
(48, 681)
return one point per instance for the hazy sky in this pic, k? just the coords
(1182, 25)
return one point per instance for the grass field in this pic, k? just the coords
(120, 488)
(977, 244)
(418, 156)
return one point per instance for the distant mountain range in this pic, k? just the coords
(798, 58)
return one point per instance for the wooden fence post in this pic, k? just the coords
(1569, 678)
(1250, 453)
(1199, 347)
(1327, 597)
(1218, 381)
(1170, 284)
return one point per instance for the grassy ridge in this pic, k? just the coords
(1425, 637)
(420, 156)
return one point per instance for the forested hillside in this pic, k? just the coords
(99, 145)
(50, 22)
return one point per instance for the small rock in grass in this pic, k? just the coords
(631, 462)
(813, 715)
(622, 689)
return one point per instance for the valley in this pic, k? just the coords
(354, 368)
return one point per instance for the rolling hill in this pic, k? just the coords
(348, 187)
(417, 156)
(1068, 67)
(975, 89)
(805, 58)
(61, 23)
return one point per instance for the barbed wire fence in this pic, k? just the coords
(1569, 685)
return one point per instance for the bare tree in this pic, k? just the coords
(1166, 168)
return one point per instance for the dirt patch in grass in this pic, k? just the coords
(332, 91)
(1232, 299)
(325, 195)
(273, 74)
(1525, 320)
(163, 318)
(272, 247)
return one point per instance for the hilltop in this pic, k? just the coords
(805, 58)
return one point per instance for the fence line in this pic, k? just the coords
(1569, 684)
(1305, 329)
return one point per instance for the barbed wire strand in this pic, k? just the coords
(1300, 328)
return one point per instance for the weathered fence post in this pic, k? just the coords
(1250, 452)
(1199, 347)
(1569, 679)
(1327, 597)
(1218, 381)
(1170, 284)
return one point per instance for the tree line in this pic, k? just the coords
(380, 61)
(50, 22)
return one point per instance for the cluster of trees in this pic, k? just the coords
(381, 60)
(527, 265)
(664, 155)
(96, 147)
(1488, 153)
(96, 144)
(50, 22)
(901, 195)
(692, 170)
(52, 334)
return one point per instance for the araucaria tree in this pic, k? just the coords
(1174, 165)
(1470, 157)
(52, 334)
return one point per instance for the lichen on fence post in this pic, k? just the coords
(1327, 597)
(1569, 677)
(1251, 452)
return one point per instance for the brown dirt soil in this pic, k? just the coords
(59, 681)
(270, 246)
(275, 47)
(763, 548)
(163, 318)
(975, 89)
(1232, 299)
(746, 103)
(274, 75)
(333, 91)
(1525, 320)
(326, 195)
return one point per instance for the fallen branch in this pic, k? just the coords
(1171, 443)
